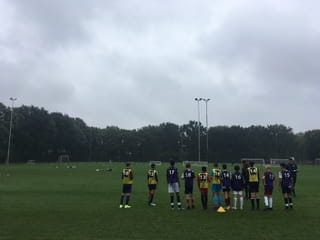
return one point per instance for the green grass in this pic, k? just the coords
(44, 202)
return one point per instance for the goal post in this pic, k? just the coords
(277, 161)
(196, 163)
(157, 163)
(63, 158)
(260, 161)
(317, 161)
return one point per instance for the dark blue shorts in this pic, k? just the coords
(286, 190)
(126, 188)
(188, 189)
(152, 186)
(225, 189)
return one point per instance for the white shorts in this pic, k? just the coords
(173, 187)
(237, 193)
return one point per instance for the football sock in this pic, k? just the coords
(266, 202)
(188, 202)
(241, 202)
(235, 202)
(202, 199)
(151, 198)
(206, 199)
(178, 202)
(252, 203)
(290, 202)
(121, 199)
(258, 203)
(172, 201)
(270, 202)
(127, 200)
(286, 202)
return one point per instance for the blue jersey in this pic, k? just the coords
(172, 175)
(285, 176)
(268, 179)
(237, 181)
(188, 176)
(226, 178)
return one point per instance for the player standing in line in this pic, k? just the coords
(226, 185)
(215, 174)
(285, 181)
(127, 180)
(203, 180)
(237, 185)
(253, 179)
(268, 179)
(293, 168)
(152, 183)
(173, 185)
(245, 166)
(188, 176)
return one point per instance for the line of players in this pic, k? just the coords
(221, 180)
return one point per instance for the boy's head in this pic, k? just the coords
(204, 169)
(153, 165)
(216, 165)
(251, 163)
(224, 166)
(236, 168)
(128, 164)
(188, 165)
(172, 163)
(268, 168)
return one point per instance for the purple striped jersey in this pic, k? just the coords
(188, 176)
(268, 179)
(226, 178)
(172, 175)
(285, 176)
(237, 181)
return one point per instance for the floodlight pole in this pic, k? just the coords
(198, 100)
(10, 130)
(207, 100)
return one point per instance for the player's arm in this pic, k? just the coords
(198, 181)
(131, 175)
(156, 177)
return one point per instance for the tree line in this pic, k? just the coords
(42, 136)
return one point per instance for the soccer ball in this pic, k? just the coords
(97, 170)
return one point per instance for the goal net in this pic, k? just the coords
(317, 161)
(277, 161)
(259, 161)
(157, 163)
(63, 158)
(196, 163)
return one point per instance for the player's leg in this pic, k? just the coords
(285, 198)
(252, 196)
(171, 194)
(241, 199)
(290, 199)
(257, 199)
(176, 190)
(235, 199)
(266, 201)
(127, 200)
(121, 200)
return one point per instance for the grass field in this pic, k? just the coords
(44, 202)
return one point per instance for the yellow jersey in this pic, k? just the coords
(152, 176)
(127, 176)
(253, 174)
(203, 180)
(215, 174)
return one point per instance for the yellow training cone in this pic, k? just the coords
(221, 210)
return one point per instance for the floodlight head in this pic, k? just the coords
(13, 99)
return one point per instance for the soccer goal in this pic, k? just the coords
(317, 161)
(255, 160)
(277, 161)
(157, 163)
(31, 162)
(196, 163)
(63, 158)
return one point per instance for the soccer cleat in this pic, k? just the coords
(121, 206)
(152, 204)
(234, 208)
(127, 206)
(228, 207)
(193, 206)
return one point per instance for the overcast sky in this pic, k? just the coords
(132, 63)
